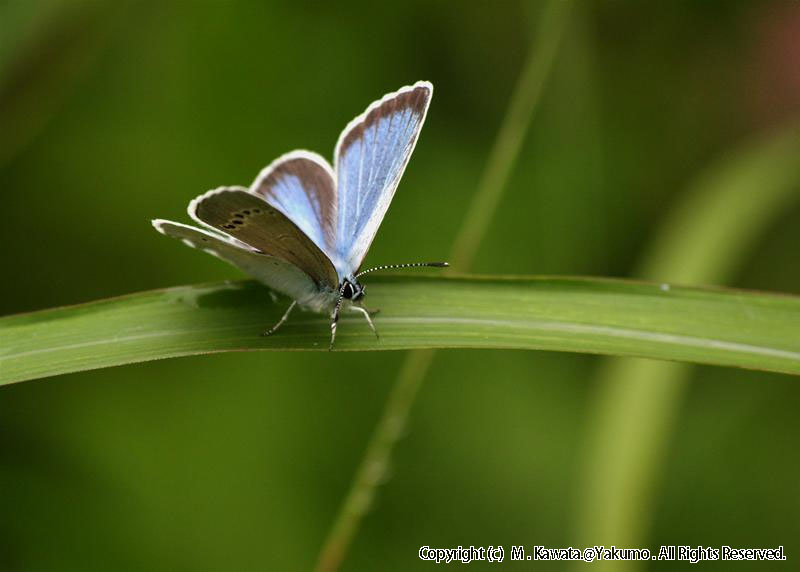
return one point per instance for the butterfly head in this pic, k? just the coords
(351, 290)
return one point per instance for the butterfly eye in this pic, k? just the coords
(347, 291)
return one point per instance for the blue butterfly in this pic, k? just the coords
(303, 227)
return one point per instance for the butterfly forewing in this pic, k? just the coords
(249, 219)
(370, 158)
(275, 273)
(301, 185)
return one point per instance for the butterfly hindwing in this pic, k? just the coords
(370, 158)
(250, 219)
(277, 274)
(302, 186)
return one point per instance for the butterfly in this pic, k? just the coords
(304, 227)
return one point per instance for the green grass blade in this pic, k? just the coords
(705, 239)
(745, 329)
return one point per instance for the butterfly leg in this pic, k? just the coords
(281, 321)
(371, 312)
(335, 321)
(367, 314)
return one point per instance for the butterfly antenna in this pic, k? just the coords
(409, 265)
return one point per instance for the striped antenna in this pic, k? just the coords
(409, 265)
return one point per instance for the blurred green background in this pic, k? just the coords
(113, 113)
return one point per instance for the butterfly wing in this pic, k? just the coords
(274, 272)
(370, 158)
(251, 220)
(301, 185)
